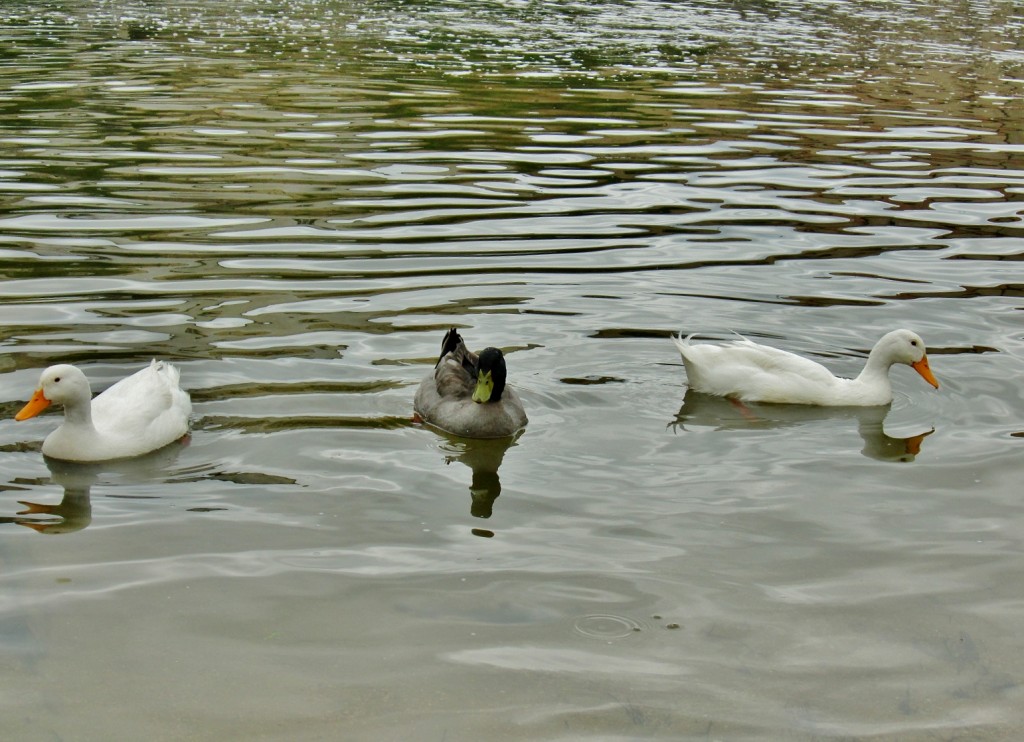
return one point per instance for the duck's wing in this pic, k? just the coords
(755, 372)
(455, 374)
(148, 403)
(768, 360)
(455, 371)
(452, 344)
(451, 381)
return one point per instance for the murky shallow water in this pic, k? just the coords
(294, 202)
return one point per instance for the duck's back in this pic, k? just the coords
(754, 372)
(146, 410)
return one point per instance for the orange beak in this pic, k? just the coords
(37, 404)
(926, 373)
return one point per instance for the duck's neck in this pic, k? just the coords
(78, 414)
(876, 371)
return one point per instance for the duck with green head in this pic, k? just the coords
(466, 393)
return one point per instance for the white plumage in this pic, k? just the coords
(138, 414)
(759, 373)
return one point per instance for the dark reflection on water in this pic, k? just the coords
(720, 413)
(74, 511)
(292, 200)
(484, 458)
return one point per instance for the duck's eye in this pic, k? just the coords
(914, 343)
(56, 380)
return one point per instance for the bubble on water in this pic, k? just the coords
(607, 626)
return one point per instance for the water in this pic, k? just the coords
(293, 202)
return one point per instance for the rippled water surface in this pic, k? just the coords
(293, 201)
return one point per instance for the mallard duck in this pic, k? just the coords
(466, 394)
(138, 414)
(758, 373)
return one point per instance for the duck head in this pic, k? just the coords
(61, 384)
(490, 376)
(904, 346)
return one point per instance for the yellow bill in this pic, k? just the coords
(484, 387)
(37, 404)
(926, 373)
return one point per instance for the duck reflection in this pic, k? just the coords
(483, 456)
(74, 511)
(728, 414)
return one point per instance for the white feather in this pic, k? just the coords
(138, 414)
(744, 369)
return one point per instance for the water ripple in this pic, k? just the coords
(294, 201)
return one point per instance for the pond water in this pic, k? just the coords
(293, 202)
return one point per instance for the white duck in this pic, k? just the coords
(758, 373)
(138, 414)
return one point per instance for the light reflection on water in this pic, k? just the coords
(294, 202)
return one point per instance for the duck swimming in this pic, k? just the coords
(466, 393)
(749, 371)
(138, 414)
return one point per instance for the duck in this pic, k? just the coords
(140, 413)
(747, 371)
(466, 394)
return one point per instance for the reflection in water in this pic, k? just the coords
(74, 511)
(484, 457)
(729, 414)
(295, 198)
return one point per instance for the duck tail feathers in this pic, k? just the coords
(170, 370)
(681, 343)
(452, 340)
